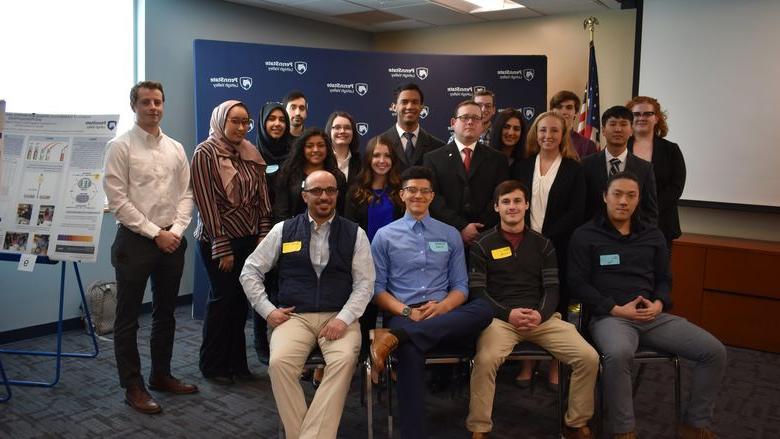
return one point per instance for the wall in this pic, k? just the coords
(29, 299)
(561, 38)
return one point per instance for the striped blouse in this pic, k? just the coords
(219, 221)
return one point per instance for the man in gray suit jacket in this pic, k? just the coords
(616, 126)
(408, 104)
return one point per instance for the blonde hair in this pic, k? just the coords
(566, 149)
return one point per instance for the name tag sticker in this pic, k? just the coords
(609, 260)
(290, 247)
(438, 246)
(501, 253)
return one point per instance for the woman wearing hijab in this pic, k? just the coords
(273, 141)
(229, 185)
(310, 152)
(509, 135)
(342, 130)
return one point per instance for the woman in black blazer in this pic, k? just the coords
(648, 143)
(374, 201)
(556, 184)
(344, 138)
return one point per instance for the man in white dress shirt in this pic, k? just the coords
(147, 184)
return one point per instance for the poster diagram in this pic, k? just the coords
(51, 184)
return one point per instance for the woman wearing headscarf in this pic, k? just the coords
(273, 141)
(229, 185)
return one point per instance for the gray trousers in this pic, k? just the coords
(618, 338)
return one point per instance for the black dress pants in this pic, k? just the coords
(223, 350)
(137, 258)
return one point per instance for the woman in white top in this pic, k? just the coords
(553, 173)
(344, 137)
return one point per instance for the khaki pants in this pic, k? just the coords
(291, 344)
(561, 339)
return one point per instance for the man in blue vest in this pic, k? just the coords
(326, 277)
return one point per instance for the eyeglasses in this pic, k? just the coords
(317, 191)
(245, 122)
(417, 190)
(341, 127)
(468, 118)
(643, 114)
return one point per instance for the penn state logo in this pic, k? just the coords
(421, 72)
(111, 124)
(361, 88)
(425, 112)
(529, 112)
(245, 82)
(301, 67)
(362, 128)
(478, 88)
(528, 74)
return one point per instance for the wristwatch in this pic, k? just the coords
(406, 312)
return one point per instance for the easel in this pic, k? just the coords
(58, 354)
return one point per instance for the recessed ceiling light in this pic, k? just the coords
(492, 5)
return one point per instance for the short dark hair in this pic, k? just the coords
(463, 104)
(151, 85)
(617, 112)
(484, 92)
(508, 186)
(293, 95)
(562, 96)
(408, 86)
(417, 173)
(625, 175)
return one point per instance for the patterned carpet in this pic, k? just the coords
(87, 402)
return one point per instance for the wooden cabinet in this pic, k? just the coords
(729, 286)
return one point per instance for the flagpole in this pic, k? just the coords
(590, 24)
(589, 113)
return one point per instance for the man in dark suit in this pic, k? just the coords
(466, 173)
(616, 126)
(408, 104)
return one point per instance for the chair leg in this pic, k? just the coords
(389, 381)
(600, 400)
(368, 393)
(677, 391)
(562, 391)
(638, 379)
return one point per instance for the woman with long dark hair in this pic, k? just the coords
(509, 135)
(310, 152)
(234, 213)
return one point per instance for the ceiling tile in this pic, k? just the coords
(434, 14)
(331, 7)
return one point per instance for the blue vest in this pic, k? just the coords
(299, 285)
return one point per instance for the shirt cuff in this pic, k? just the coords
(346, 317)
(221, 247)
(177, 230)
(150, 230)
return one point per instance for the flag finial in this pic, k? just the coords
(590, 24)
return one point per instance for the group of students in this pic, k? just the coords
(481, 242)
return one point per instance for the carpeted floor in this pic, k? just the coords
(87, 402)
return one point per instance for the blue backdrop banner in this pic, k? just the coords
(360, 83)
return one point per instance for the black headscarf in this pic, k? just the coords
(274, 151)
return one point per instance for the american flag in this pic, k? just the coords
(589, 113)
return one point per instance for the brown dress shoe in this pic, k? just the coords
(141, 401)
(478, 435)
(577, 433)
(629, 435)
(688, 432)
(167, 383)
(384, 342)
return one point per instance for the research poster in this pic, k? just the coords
(51, 191)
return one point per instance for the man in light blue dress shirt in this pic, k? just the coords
(422, 285)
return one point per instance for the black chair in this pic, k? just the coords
(462, 358)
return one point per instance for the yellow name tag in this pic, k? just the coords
(289, 247)
(501, 253)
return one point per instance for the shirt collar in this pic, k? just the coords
(622, 156)
(314, 223)
(460, 146)
(145, 135)
(410, 220)
(401, 131)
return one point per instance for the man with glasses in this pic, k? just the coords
(486, 100)
(465, 173)
(410, 141)
(422, 285)
(615, 158)
(325, 279)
